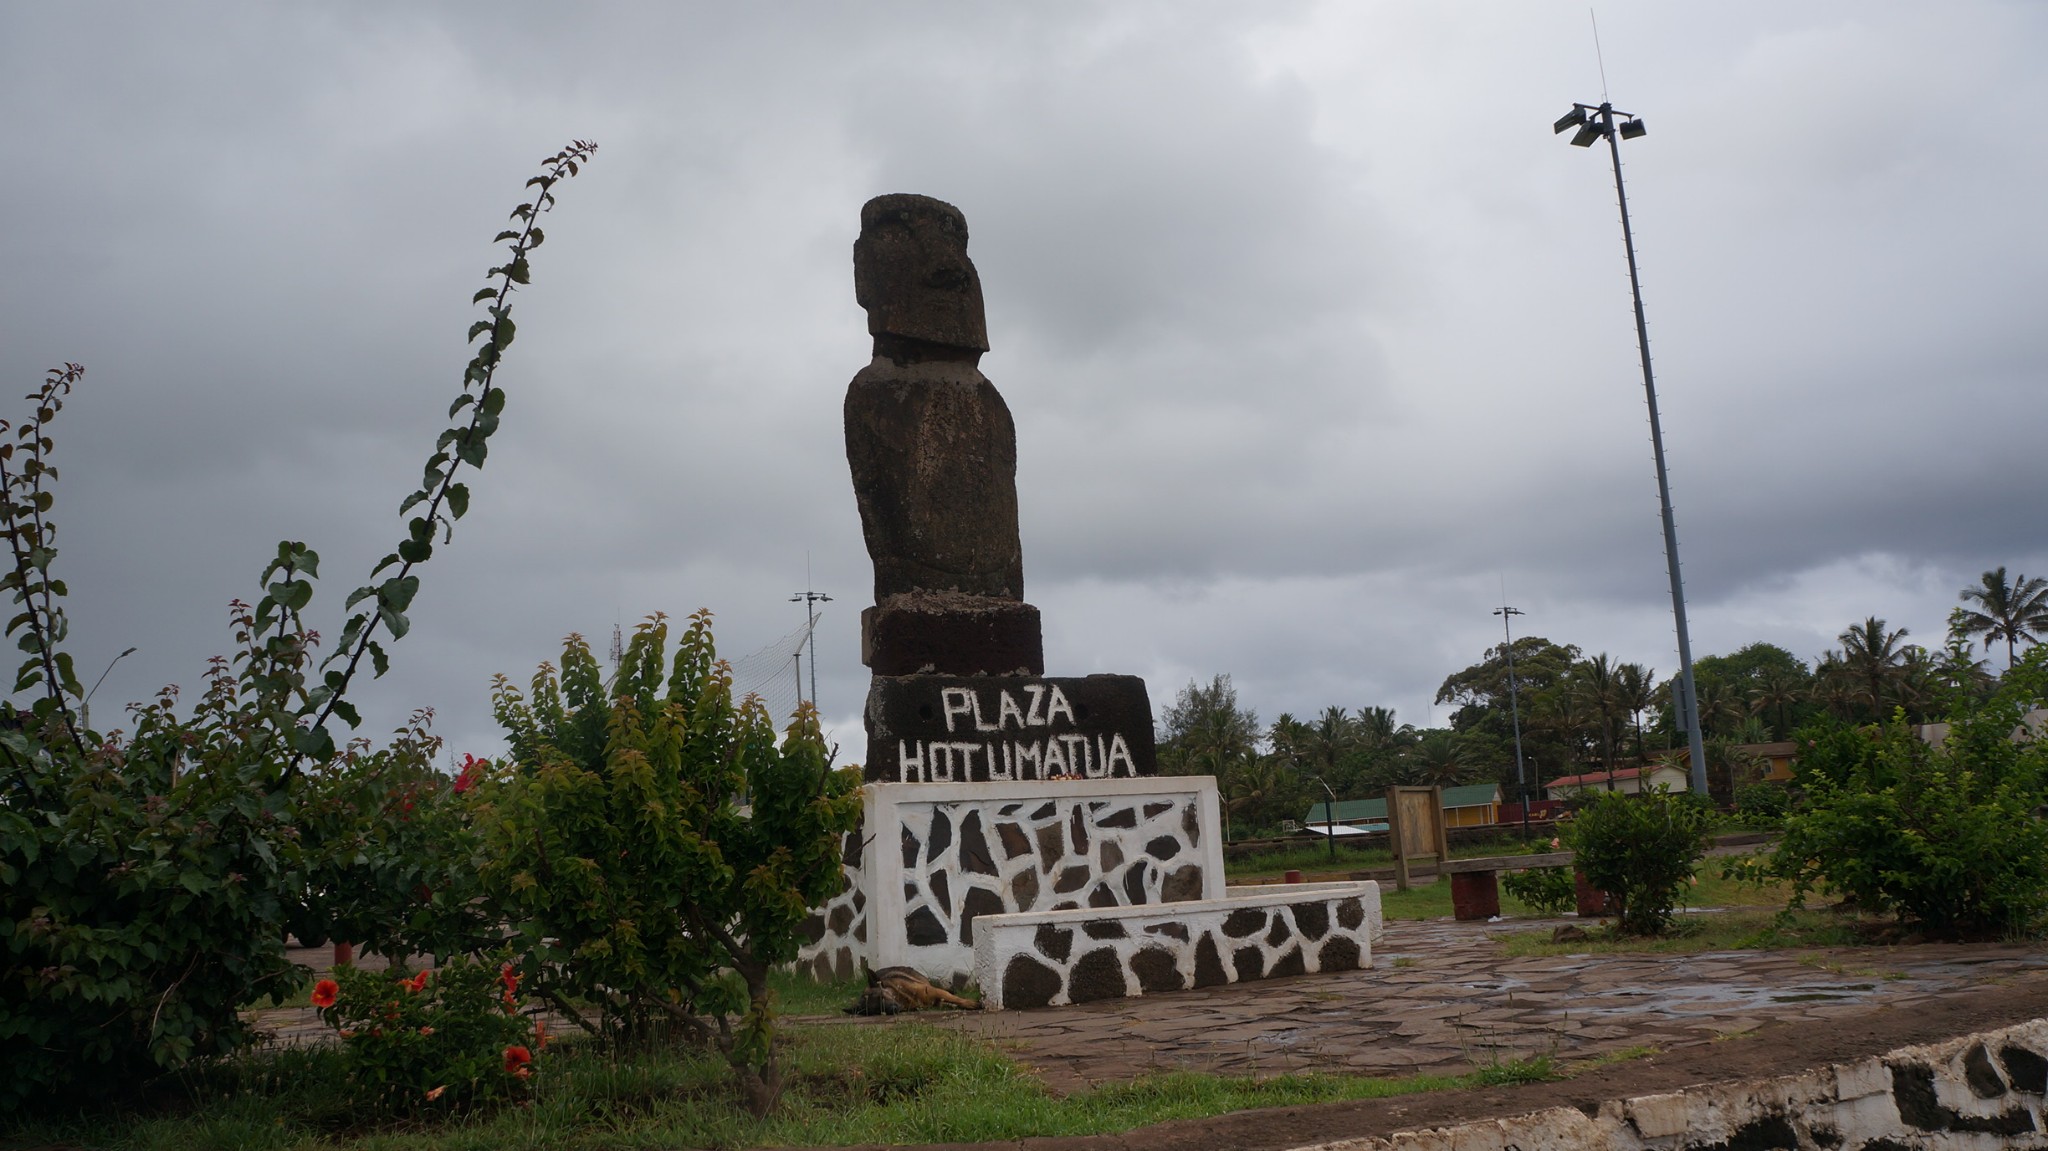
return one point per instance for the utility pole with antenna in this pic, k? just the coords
(1507, 615)
(810, 599)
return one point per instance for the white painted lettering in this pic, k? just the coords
(1098, 758)
(1077, 752)
(955, 701)
(1008, 708)
(1037, 693)
(979, 723)
(1028, 766)
(1055, 757)
(1119, 750)
(1057, 704)
(909, 766)
(967, 751)
(1001, 767)
(941, 769)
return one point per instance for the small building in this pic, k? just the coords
(1627, 780)
(1475, 805)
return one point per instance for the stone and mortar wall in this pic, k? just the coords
(933, 859)
(1977, 1092)
(1036, 960)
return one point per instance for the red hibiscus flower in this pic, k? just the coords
(416, 984)
(516, 1060)
(472, 771)
(325, 992)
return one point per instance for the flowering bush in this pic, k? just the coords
(443, 1039)
(1642, 850)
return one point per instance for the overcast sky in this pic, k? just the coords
(1317, 339)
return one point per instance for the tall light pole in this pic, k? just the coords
(810, 599)
(1506, 614)
(1594, 122)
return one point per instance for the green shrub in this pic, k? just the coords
(1643, 850)
(1544, 890)
(435, 1041)
(147, 881)
(1947, 838)
(639, 879)
(1763, 804)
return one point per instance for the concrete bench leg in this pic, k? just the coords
(1475, 894)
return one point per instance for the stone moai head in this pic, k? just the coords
(912, 274)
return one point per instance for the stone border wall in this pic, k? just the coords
(933, 859)
(1976, 1092)
(1055, 957)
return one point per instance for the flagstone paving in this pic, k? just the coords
(1442, 996)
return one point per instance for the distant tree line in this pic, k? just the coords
(1586, 714)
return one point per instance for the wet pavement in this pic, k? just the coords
(1442, 996)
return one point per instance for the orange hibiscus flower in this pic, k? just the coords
(516, 1060)
(325, 992)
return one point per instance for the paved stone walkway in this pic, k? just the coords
(1442, 996)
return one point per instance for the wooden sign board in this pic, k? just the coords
(1415, 816)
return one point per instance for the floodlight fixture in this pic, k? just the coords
(1571, 119)
(1633, 129)
(1587, 134)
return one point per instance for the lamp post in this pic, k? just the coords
(85, 705)
(1506, 614)
(1596, 122)
(1329, 816)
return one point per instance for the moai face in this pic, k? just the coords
(912, 274)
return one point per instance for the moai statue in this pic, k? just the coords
(934, 457)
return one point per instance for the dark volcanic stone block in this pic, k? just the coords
(1983, 1078)
(1280, 932)
(849, 847)
(1015, 842)
(978, 728)
(1351, 913)
(1182, 884)
(941, 837)
(812, 929)
(842, 918)
(1339, 953)
(922, 929)
(1209, 964)
(1250, 963)
(1157, 970)
(1077, 831)
(1121, 817)
(1105, 929)
(1109, 857)
(911, 848)
(1028, 983)
(1191, 825)
(1244, 921)
(1134, 882)
(1311, 919)
(1055, 943)
(1097, 975)
(1071, 879)
(941, 633)
(1169, 930)
(1052, 843)
(1291, 963)
(974, 854)
(978, 901)
(1102, 896)
(860, 899)
(941, 891)
(2027, 1070)
(1024, 889)
(1164, 847)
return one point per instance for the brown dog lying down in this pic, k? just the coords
(893, 990)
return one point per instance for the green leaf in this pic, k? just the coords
(398, 591)
(477, 329)
(415, 551)
(483, 294)
(462, 401)
(394, 622)
(386, 562)
(507, 234)
(379, 662)
(472, 451)
(359, 595)
(411, 502)
(347, 712)
(458, 500)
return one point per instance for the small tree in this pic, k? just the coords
(1642, 850)
(638, 876)
(1946, 836)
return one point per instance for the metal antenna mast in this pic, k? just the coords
(810, 599)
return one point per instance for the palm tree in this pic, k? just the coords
(1877, 663)
(1777, 692)
(1598, 683)
(1636, 692)
(2011, 611)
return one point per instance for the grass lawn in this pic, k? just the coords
(904, 1082)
